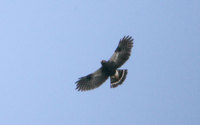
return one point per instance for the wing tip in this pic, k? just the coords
(127, 39)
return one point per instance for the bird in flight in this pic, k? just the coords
(109, 68)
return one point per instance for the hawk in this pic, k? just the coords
(109, 68)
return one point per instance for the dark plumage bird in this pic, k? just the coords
(109, 68)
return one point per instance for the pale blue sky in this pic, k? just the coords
(45, 46)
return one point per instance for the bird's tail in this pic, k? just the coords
(118, 78)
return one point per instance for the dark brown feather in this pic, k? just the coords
(91, 81)
(122, 52)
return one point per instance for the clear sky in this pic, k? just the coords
(46, 45)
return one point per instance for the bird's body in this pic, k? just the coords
(109, 68)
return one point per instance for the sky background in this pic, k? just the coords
(46, 45)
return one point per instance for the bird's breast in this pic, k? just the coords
(108, 69)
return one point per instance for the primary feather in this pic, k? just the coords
(91, 81)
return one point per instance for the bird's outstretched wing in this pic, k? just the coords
(122, 52)
(91, 81)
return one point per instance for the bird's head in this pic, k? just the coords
(103, 62)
